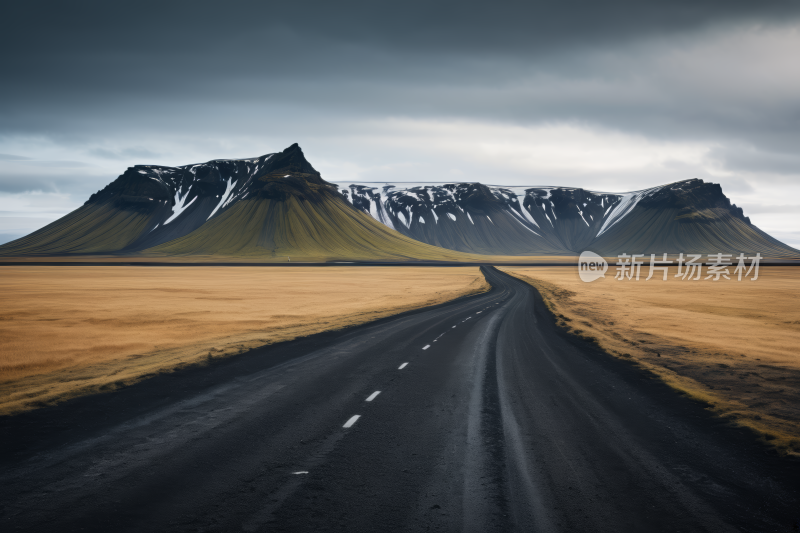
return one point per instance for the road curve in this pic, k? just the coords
(476, 415)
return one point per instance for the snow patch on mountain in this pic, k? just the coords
(228, 190)
(180, 205)
(625, 205)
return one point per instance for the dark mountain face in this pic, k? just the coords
(696, 201)
(292, 161)
(687, 216)
(150, 204)
(487, 219)
(142, 185)
(181, 199)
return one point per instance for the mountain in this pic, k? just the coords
(271, 206)
(689, 216)
(278, 206)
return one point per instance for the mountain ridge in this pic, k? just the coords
(684, 216)
(279, 205)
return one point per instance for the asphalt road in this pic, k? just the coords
(476, 415)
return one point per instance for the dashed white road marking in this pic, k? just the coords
(454, 327)
(426, 346)
(373, 395)
(353, 420)
(401, 367)
(300, 472)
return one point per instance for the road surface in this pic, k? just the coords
(476, 415)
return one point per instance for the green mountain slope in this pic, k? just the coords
(90, 229)
(323, 229)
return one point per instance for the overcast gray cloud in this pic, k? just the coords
(613, 95)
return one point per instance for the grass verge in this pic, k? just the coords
(732, 346)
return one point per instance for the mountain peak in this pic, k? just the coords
(291, 160)
(696, 200)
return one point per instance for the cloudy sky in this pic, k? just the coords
(608, 95)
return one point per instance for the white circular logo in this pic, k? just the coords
(591, 266)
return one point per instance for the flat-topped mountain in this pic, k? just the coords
(686, 216)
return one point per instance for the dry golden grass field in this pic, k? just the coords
(734, 344)
(67, 331)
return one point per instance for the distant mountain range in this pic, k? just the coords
(688, 216)
(278, 205)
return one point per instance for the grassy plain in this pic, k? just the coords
(68, 331)
(734, 344)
